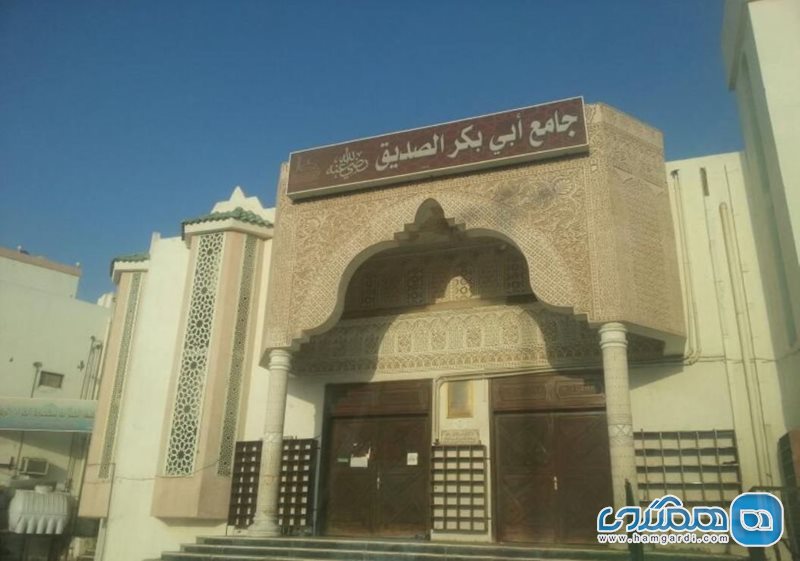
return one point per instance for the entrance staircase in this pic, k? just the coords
(330, 549)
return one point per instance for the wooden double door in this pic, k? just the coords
(378, 465)
(552, 471)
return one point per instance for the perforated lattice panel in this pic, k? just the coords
(186, 413)
(244, 483)
(296, 499)
(458, 473)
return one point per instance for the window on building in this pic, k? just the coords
(459, 399)
(50, 379)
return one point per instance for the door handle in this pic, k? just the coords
(555, 483)
(378, 483)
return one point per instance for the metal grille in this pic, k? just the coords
(244, 483)
(458, 473)
(700, 467)
(296, 497)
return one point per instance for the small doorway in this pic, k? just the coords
(377, 472)
(552, 472)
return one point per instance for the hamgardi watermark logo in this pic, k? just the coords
(754, 519)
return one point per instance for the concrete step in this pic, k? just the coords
(326, 548)
(340, 554)
(221, 548)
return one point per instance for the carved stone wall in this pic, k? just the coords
(461, 307)
(633, 252)
(572, 219)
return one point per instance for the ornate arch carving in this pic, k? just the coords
(321, 307)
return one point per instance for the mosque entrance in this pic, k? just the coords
(377, 459)
(551, 457)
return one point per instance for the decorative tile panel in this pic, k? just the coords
(186, 413)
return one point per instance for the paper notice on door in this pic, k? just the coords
(359, 461)
(412, 459)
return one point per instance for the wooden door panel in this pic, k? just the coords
(403, 496)
(358, 504)
(351, 490)
(526, 509)
(525, 464)
(533, 449)
(584, 474)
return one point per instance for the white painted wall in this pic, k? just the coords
(711, 386)
(761, 47)
(34, 277)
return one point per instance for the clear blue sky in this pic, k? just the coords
(118, 119)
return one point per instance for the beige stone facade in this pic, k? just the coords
(586, 217)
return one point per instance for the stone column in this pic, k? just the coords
(266, 519)
(614, 344)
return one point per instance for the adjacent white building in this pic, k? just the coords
(51, 345)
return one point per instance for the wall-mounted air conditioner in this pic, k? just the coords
(34, 466)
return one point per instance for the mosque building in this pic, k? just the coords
(477, 331)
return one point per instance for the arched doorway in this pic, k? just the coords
(444, 305)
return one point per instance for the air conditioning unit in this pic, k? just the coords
(34, 466)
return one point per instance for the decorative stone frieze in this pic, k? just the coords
(496, 337)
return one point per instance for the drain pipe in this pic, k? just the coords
(751, 377)
(693, 350)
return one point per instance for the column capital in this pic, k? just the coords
(280, 358)
(613, 334)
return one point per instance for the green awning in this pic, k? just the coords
(42, 414)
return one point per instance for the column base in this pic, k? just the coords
(264, 528)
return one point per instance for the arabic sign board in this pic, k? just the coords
(540, 131)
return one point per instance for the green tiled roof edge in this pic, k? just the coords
(238, 213)
(132, 258)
